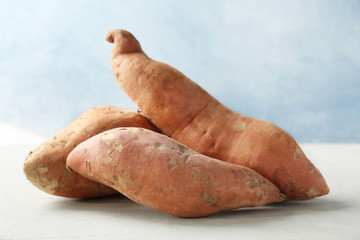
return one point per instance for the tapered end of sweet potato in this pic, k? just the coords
(315, 186)
(283, 162)
(109, 36)
(124, 42)
(47, 171)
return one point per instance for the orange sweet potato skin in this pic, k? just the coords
(184, 111)
(45, 167)
(157, 171)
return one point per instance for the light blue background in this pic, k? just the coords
(293, 63)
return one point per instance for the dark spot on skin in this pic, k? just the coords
(63, 143)
(87, 165)
(210, 199)
(116, 178)
(71, 133)
(181, 148)
(253, 183)
(157, 144)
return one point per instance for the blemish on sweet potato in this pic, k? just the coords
(87, 165)
(313, 191)
(210, 199)
(51, 186)
(296, 153)
(129, 181)
(295, 182)
(200, 177)
(71, 133)
(42, 169)
(240, 126)
(107, 137)
(253, 183)
(172, 163)
(119, 147)
(133, 130)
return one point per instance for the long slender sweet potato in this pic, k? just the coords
(45, 166)
(157, 171)
(184, 111)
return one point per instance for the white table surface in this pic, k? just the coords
(27, 213)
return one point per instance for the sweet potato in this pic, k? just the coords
(184, 111)
(45, 166)
(159, 172)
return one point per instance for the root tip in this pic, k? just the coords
(109, 36)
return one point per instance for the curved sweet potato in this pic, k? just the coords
(157, 171)
(45, 166)
(184, 111)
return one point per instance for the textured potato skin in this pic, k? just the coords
(45, 167)
(184, 111)
(157, 171)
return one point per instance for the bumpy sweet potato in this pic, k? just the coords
(45, 166)
(184, 111)
(157, 171)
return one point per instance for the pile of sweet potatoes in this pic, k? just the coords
(184, 154)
